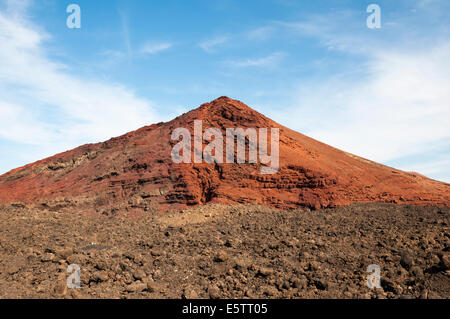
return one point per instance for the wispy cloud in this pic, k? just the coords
(268, 61)
(341, 31)
(261, 33)
(153, 48)
(17, 8)
(126, 33)
(47, 104)
(210, 45)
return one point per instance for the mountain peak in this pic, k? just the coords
(225, 103)
(230, 112)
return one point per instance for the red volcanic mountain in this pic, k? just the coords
(136, 170)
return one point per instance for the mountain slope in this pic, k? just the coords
(136, 170)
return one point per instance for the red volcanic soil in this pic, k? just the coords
(136, 170)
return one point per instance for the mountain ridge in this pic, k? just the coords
(135, 171)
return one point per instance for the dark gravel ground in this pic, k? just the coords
(220, 251)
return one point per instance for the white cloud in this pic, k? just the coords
(210, 45)
(47, 104)
(268, 61)
(153, 48)
(399, 109)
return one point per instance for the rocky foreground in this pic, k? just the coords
(220, 251)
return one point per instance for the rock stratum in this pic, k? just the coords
(136, 171)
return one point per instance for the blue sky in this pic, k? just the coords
(313, 66)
